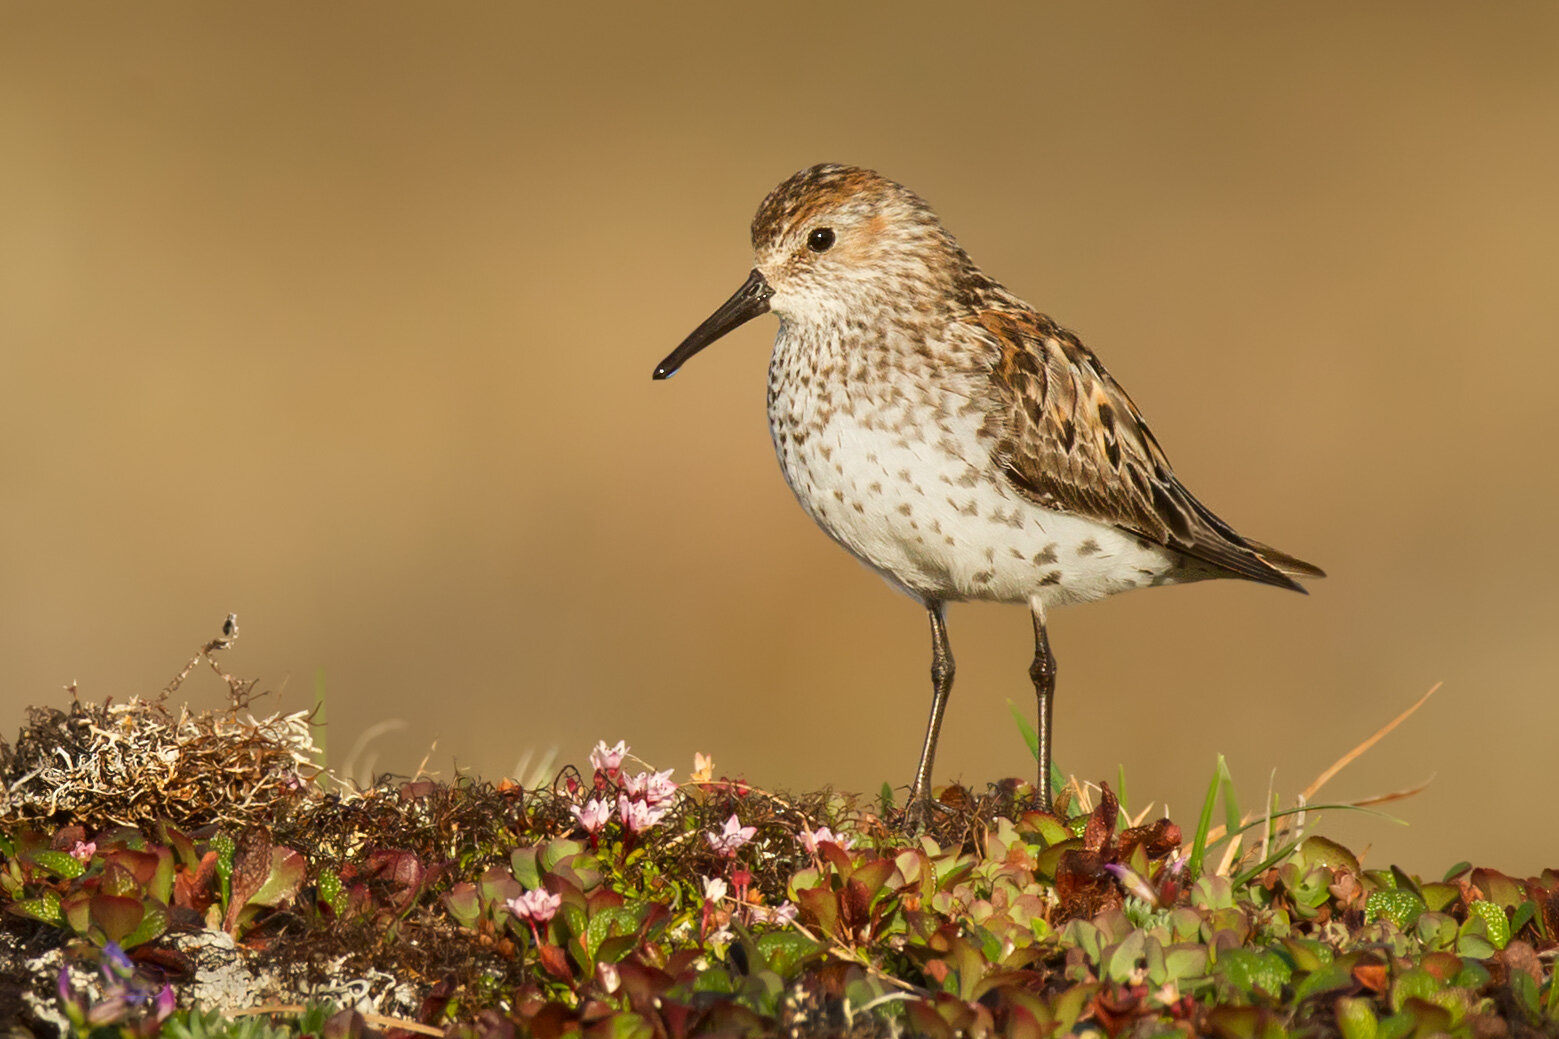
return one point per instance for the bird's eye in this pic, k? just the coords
(821, 239)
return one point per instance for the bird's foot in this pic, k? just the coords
(921, 812)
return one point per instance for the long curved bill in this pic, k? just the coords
(749, 301)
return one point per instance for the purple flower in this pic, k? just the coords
(1132, 882)
(116, 964)
(537, 906)
(732, 837)
(163, 1005)
(594, 814)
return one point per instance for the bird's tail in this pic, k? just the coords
(1290, 566)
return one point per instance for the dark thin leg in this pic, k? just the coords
(1043, 672)
(941, 685)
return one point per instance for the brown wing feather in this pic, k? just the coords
(1076, 443)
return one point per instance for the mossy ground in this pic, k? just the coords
(154, 860)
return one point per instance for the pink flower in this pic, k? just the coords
(811, 838)
(783, 913)
(537, 906)
(608, 759)
(638, 816)
(594, 814)
(654, 787)
(714, 889)
(82, 851)
(732, 837)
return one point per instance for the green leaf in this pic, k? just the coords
(1070, 1003)
(1254, 971)
(283, 880)
(1185, 961)
(1493, 915)
(1485, 932)
(1525, 913)
(61, 864)
(154, 922)
(1400, 907)
(1307, 954)
(462, 902)
(610, 922)
(1329, 978)
(333, 893)
(624, 1025)
(1413, 983)
(1318, 851)
(1119, 962)
(717, 981)
(160, 886)
(225, 848)
(1525, 990)
(784, 951)
(1356, 1019)
(554, 852)
(525, 868)
(45, 907)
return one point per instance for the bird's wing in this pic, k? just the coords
(1074, 442)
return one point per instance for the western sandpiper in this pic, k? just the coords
(954, 439)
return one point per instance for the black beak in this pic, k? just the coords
(749, 301)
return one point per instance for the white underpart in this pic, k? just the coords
(909, 488)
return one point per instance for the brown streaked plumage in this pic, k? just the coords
(1075, 442)
(954, 439)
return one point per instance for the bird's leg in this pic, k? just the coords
(1043, 672)
(941, 684)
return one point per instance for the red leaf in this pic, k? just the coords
(1371, 975)
(1101, 824)
(555, 962)
(117, 916)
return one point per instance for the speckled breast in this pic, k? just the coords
(897, 469)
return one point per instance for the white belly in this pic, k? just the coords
(911, 505)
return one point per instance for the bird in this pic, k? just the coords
(954, 439)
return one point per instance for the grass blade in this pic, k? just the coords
(1199, 842)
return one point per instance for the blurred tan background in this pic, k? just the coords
(342, 317)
